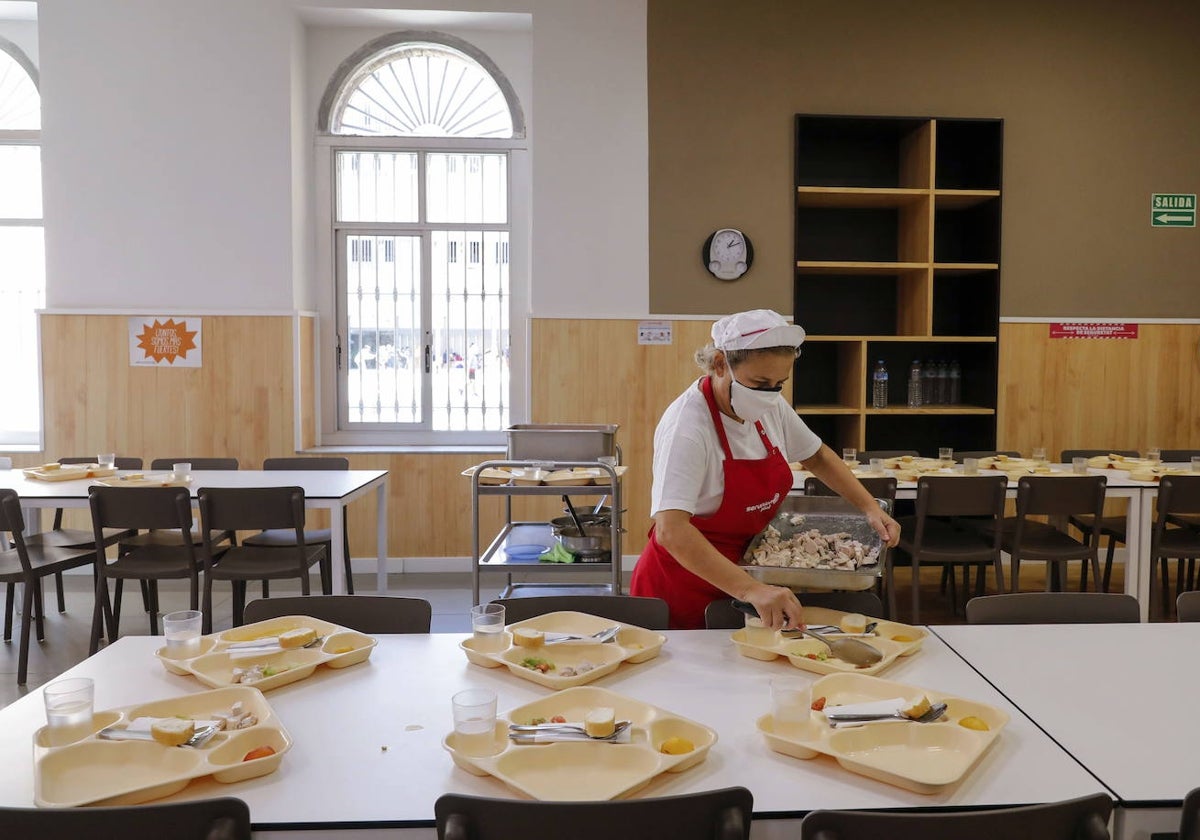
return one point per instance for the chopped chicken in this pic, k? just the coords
(812, 550)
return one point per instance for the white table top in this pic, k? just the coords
(319, 485)
(337, 773)
(1113, 478)
(1082, 682)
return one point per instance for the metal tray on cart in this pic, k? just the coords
(829, 515)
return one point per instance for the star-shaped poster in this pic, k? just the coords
(171, 342)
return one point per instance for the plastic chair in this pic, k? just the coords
(712, 815)
(364, 613)
(167, 510)
(1085, 818)
(323, 536)
(1187, 606)
(253, 509)
(61, 537)
(1112, 527)
(1189, 820)
(224, 818)
(929, 538)
(1054, 608)
(651, 613)
(28, 564)
(1177, 495)
(169, 537)
(721, 615)
(197, 463)
(1178, 456)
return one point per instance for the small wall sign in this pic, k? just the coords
(1096, 329)
(164, 342)
(1173, 210)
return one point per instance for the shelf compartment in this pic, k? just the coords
(856, 268)
(828, 374)
(850, 151)
(858, 197)
(926, 433)
(968, 154)
(837, 431)
(977, 360)
(961, 199)
(965, 303)
(970, 235)
(934, 409)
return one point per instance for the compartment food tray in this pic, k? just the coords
(141, 480)
(922, 757)
(829, 515)
(70, 472)
(533, 477)
(633, 645)
(582, 770)
(213, 666)
(892, 639)
(103, 772)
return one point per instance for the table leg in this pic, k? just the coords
(381, 538)
(1137, 550)
(337, 549)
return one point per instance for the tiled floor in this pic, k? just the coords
(450, 595)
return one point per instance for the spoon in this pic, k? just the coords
(526, 730)
(602, 636)
(935, 711)
(868, 631)
(849, 650)
(199, 739)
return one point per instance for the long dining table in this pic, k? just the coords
(1139, 518)
(328, 490)
(368, 758)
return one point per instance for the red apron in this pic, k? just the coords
(754, 490)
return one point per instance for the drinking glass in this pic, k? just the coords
(487, 623)
(1039, 454)
(970, 466)
(850, 456)
(475, 721)
(182, 632)
(1079, 465)
(876, 465)
(68, 709)
(182, 470)
(1196, 463)
(756, 634)
(106, 459)
(1154, 454)
(946, 455)
(790, 704)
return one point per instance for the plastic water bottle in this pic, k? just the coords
(955, 382)
(879, 386)
(915, 384)
(941, 384)
(928, 397)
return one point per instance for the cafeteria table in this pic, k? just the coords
(1139, 516)
(1120, 698)
(368, 753)
(328, 490)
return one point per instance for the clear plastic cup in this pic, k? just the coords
(970, 466)
(791, 707)
(1039, 454)
(946, 455)
(1196, 463)
(756, 634)
(69, 709)
(1154, 454)
(106, 460)
(182, 471)
(1079, 466)
(850, 456)
(487, 624)
(475, 721)
(876, 465)
(182, 631)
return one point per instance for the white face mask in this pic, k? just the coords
(752, 404)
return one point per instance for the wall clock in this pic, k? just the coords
(727, 254)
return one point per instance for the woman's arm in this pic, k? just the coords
(832, 470)
(777, 606)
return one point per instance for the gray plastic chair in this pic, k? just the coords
(712, 815)
(1112, 527)
(1187, 606)
(1054, 608)
(1178, 495)
(651, 613)
(1085, 818)
(364, 613)
(1189, 820)
(224, 818)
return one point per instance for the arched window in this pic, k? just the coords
(22, 248)
(421, 233)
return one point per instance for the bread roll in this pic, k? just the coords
(171, 732)
(600, 722)
(853, 623)
(528, 637)
(297, 638)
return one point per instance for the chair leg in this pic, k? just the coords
(145, 595)
(10, 592)
(999, 568)
(1083, 575)
(152, 590)
(239, 602)
(346, 555)
(1015, 561)
(206, 610)
(1094, 560)
(916, 590)
(99, 610)
(26, 618)
(58, 590)
(1166, 586)
(1108, 561)
(945, 579)
(266, 589)
(40, 605)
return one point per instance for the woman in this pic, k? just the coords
(721, 453)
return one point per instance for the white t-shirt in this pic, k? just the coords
(688, 471)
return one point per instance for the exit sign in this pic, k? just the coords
(1173, 210)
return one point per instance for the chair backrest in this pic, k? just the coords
(251, 509)
(866, 455)
(1178, 494)
(961, 455)
(1187, 606)
(197, 463)
(322, 463)
(1069, 454)
(121, 462)
(1172, 456)
(711, 815)
(880, 488)
(721, 615)
(224, 818)
(152, 508)
(1189, 820)
(12, 522)
(1085, 818)
(651, 613)
(364, 613)
(971, 495)
(1051, 495)
(1054, 608)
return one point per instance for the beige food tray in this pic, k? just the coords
(912, 462)
(93, 771)
(921, 757)
(582, 770)
(70, 472)
(1156, 473)
(633, 645)
(1120, 462)
(340, 648)
(765, 644)
(140, 480)
(532, 476)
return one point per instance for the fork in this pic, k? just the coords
(608, 634)
(527, 733)
(935, 712)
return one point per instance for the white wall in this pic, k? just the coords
(23, 33)
(175, 178)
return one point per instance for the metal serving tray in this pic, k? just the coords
(561, 441)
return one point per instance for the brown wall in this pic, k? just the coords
(1101, 109)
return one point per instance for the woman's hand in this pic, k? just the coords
(777, 606)
(887, 528)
